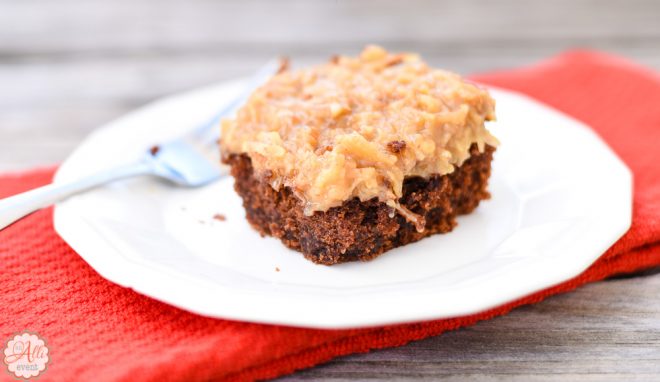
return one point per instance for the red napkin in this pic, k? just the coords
(99, 331)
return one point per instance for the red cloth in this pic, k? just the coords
(99, 331)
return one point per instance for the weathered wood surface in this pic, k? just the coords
(68, 66)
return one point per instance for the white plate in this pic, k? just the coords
(561, 197)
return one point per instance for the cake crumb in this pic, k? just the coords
(219, 217)
(154, 150)
(277, 269)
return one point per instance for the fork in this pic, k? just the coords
(184, 161)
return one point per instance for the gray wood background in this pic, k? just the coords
(68, 66)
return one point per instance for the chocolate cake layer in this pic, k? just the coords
(361, 230)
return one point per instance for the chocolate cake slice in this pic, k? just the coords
(347, 160)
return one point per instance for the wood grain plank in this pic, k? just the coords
(96, 25)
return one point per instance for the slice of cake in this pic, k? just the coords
(349, 159)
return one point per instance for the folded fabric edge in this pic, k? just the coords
(48, 169)
(583, 57)
(14, 182)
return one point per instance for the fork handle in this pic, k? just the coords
(16, 207)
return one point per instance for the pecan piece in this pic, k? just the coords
(396, 146)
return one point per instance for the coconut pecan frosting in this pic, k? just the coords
(358, 126)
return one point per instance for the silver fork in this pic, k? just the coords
(184, 162)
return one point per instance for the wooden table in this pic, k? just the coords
(67, 66)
